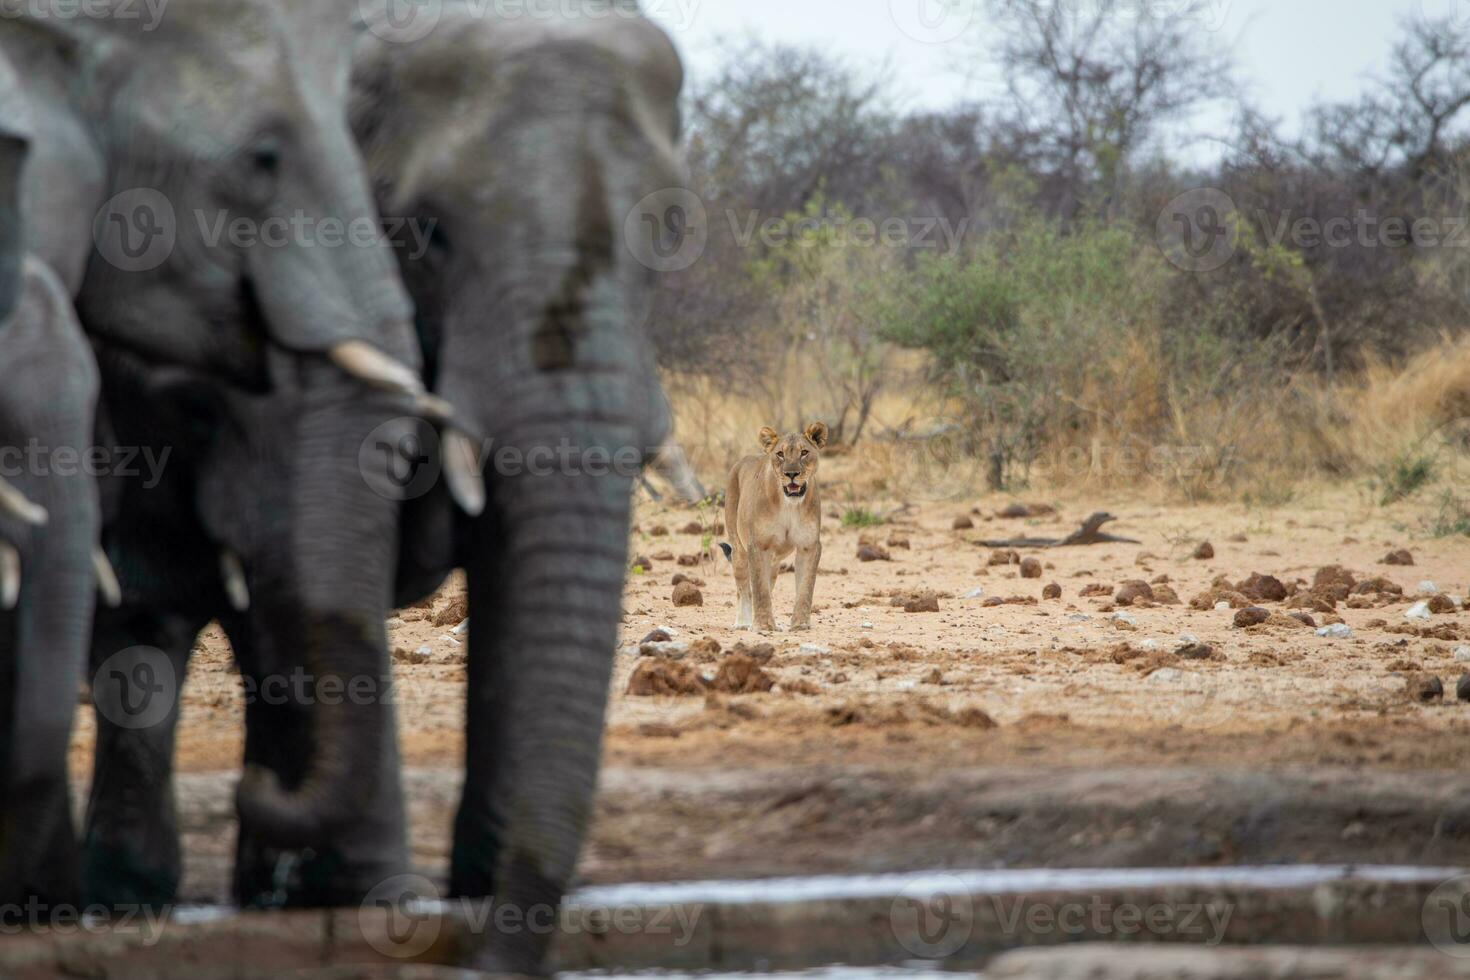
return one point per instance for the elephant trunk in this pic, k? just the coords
(545, 582)
(344, 550)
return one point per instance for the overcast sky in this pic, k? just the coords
(1289, 52)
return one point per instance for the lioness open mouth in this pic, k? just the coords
(795, 489)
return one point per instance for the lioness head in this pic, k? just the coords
(794, 456)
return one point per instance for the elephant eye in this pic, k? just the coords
(266, 159)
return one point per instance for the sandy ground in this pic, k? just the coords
(875, 701)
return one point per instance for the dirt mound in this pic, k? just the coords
(653, 678)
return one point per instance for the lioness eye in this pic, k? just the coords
(780, 455)
(804, 454)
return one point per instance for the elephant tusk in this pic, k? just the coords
(107, 584)
(17, 505)
(9, 576)
(233, 574)
(366, 363)
(463, 471)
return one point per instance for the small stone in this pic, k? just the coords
(688, 594)
(653, 677)
(1124, 618)
(1052, 591)
(1004, 557)
(896, 540)
(866, 625)
(1131, 591)
(694, 527)
(1165, 675)
(1336, 631)
(643, 563)
(975, 593)
(1462, 654)
(689, 561)
(706, 648)
(739, 674)
(403, 656)
(761, 653)
(1204, 552)
(1304, 619)
(962, 523)
(1262, 588)
(814, 648)
(1419, 610)
(681, 577)
(1441, 604)
(658, 531)
(871, 552)
(926, 603)
(659, 635)
(1165, 595)
(666, 650)
(1031, 568)
(1196, 651)
(1400, 557)
(1424, 688)
(1427, 587)
(1251, 616)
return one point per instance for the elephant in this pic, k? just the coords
(527, 142)
(49, 555)
(157, 143)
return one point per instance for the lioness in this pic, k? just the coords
(772, 508)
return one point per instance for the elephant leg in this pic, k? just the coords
(131, 852)
(545, 581)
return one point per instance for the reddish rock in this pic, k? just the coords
(739, 674)
(688, 594)
(1052, 591)
(1262, 588)
(1204, 552)
(871, 552)
(1133, 590)
(664, 677)
(1031, 568)
(1251, 616)
(962, 523)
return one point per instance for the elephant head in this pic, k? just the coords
(529, 144)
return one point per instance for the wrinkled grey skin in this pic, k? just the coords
(48, 394)
(233, 109)
(528, 142)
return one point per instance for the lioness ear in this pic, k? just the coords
(817, 433)
(769, 438)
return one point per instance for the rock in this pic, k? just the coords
(927, 602)
(1196, 651)
(1133, 590)
(761, 653)
(1095, 589)
(457, 610)
(739, 674)
(1031, 568)
(1312, 601)
(1462, 655)
(962, 523)
(1403, 556)
(666, 650)
(871, 552)
(1004, 557)
(659, 635)
(1251, 616)
(1442, 604)
(1165, 675)
(1204, 552)
(1212, 599)
(1052, 591)
(706, 648)
(1424, 688)
(1304, 619)
(681, 577)
(975, 593)
(1165, 595)
(689, 561)
(1462, 689)
(688, 594)
(644, 562)
(664, 556)
(662, 677)
(419, 656)
(658, 531)
(1427, 587)
(1262, 588)
(1016, 511)
(1124, 619)
(1330, 576)
(694, 527)
(1336, 631)
(1418, 611)
(896, 540)
(816, 648)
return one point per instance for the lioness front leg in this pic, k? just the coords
(806, 584)
(760, 586)
(745, 614)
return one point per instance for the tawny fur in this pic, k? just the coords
(767, 520)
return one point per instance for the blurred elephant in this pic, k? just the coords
(161, 141)
(527, 142)
(49, 527)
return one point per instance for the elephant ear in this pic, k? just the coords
(769, 437)
(15, 138)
